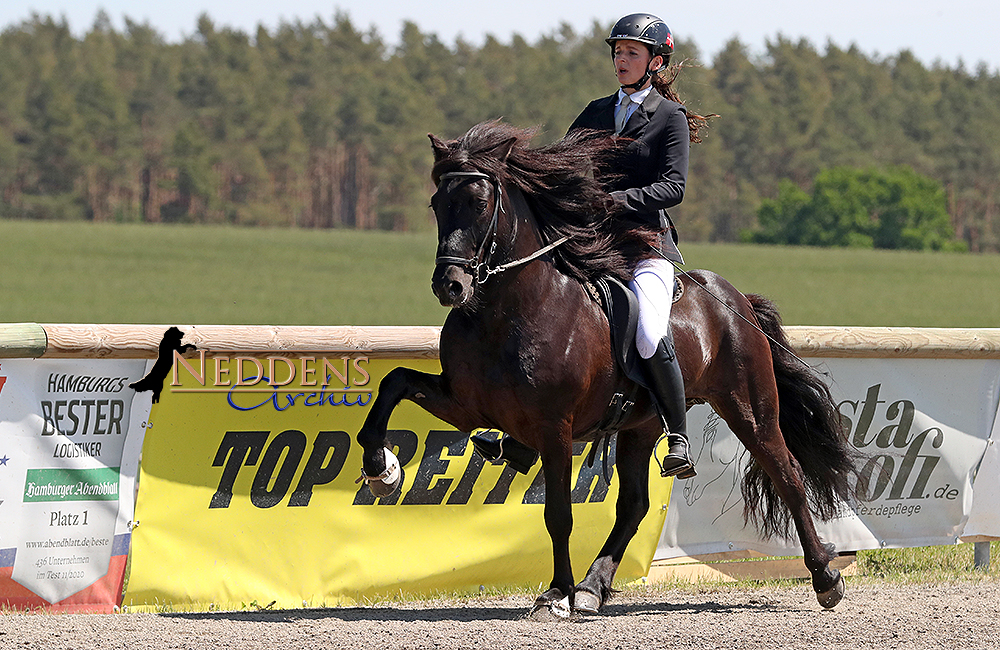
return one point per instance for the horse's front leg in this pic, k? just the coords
(379, 465)
(632, 462)
(557, 465)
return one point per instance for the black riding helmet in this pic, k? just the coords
(647, 29)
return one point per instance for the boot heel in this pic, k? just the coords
(505, 450)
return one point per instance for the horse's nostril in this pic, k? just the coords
(454, 289)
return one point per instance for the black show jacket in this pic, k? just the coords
(653, 167)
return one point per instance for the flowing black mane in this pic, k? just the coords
(559, 185)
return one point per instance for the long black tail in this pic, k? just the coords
(813, 432)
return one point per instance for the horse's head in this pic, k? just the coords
(467, 206)
(490, 181)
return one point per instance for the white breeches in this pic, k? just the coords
(653, 285)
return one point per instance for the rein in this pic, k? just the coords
(478, 265)
(733, 310)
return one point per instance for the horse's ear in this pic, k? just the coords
(439, 147)
(502, 150)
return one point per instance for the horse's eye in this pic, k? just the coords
(480, 205)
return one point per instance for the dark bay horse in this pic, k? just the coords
(526, 350)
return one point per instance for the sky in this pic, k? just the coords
(935, 31)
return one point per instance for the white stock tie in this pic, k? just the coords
(621, 115)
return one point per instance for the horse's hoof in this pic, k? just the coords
(551, 606)
(586, 602)
(557, 610)
(829, 599)
(546, 615)
(561, 608)
(385, 483)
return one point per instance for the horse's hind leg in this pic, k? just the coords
(632, 461)
(753, 417)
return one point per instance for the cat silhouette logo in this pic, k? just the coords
(164, 361)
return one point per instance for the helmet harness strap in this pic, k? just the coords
(639, 84)
(649, 73)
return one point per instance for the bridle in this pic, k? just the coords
(479, 265)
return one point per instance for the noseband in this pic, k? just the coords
(478, 265)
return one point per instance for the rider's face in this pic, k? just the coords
(631, 61)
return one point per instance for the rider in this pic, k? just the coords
(646, 180)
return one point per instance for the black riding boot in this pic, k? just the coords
(667, 385)
(505, 450)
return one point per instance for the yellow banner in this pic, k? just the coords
(248, 495)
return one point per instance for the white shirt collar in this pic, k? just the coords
(637, 97)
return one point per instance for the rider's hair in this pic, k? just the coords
(663, 81)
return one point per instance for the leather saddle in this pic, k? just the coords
(622, 310)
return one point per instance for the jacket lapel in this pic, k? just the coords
(640, 118)
(606, 114)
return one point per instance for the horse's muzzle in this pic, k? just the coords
(452, 284)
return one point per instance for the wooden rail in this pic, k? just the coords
(896, 342)
(31, 340)
(731, 566)
(142, 341)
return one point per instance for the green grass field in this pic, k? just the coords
(72, 272)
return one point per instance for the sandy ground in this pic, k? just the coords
(952, 615)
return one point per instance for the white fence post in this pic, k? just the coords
(981, 557)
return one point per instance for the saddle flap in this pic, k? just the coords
(622, 309)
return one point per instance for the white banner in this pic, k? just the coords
(922, 427)
(70, 438)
